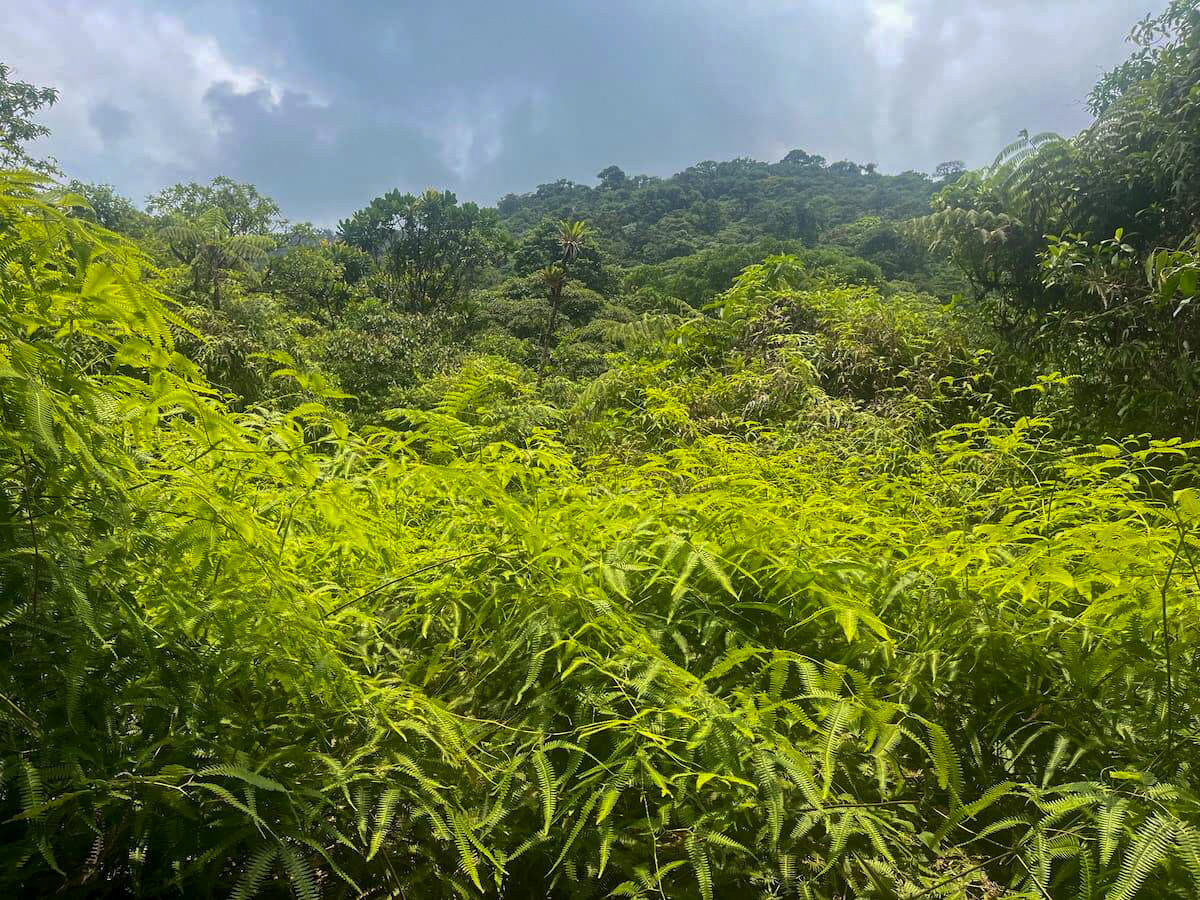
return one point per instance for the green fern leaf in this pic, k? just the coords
(300, 874)
(1151, 844)
(701, 865)
(546, 782)
(384, 814)
(255, 873)
(1108, 824)
(251, 778)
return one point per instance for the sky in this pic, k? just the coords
(324, 105)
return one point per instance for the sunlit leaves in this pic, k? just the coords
(264, 652)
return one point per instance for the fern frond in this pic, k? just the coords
(701, 865)
(1151, 844)
(546, 783)
(255, 873)
(1109, 820)
(299, 872)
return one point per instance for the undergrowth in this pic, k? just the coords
(742, 617)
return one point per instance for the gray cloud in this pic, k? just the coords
(326, 105)
(319, 159)
(110, 121)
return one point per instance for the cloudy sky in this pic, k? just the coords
(326, 104)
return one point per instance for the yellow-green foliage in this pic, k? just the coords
(262, 654)
(811, 360)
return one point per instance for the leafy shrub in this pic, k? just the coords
(264, 653)
(378, 351)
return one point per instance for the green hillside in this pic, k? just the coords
(769, 530)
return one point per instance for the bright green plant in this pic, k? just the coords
(735, 654)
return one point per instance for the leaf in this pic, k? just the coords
(835, 730)
(1108, 824)
(1150, 846)
(251, 778)
(545, 777)
(465, 852)
(685, 574)
(255, 873)
(384, 814)
(1187, 504)
(731, 659)
(607, 802)
(1188, 839)
(700, 865)
(945, 760)
(713, 567)
(300, 874)
(39, 415)
(614, 577)
(99, 276)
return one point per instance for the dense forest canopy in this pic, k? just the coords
(773, 529)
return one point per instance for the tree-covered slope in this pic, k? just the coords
(734, 626)
(643, 219)
(771, 530)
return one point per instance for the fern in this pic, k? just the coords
(299, 873)
(835, 728)
(1149, 848)
(827, 610)
(546, 783)
(701, 865)
(1187, 837)
(384, 813)
(945, 759)
(251, 778)
(258, 867)
(1109, 821)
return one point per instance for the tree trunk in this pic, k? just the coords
(555, 299)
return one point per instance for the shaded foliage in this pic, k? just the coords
(19, 103)
(429, 248)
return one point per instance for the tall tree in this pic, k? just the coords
(245, 210)
(542, 247)
(570, 241)
(950, 170)
(802, 158)
(19, 101)
(429, 247)
(612, 177)
(312, 281)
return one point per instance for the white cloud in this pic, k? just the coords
(469, 127)
(146, 67)
(892, 24)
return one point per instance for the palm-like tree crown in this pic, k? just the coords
(208, 237)
(570, 239)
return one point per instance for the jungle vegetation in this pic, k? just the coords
(770, 530)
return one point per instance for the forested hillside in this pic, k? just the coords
(769, 530)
